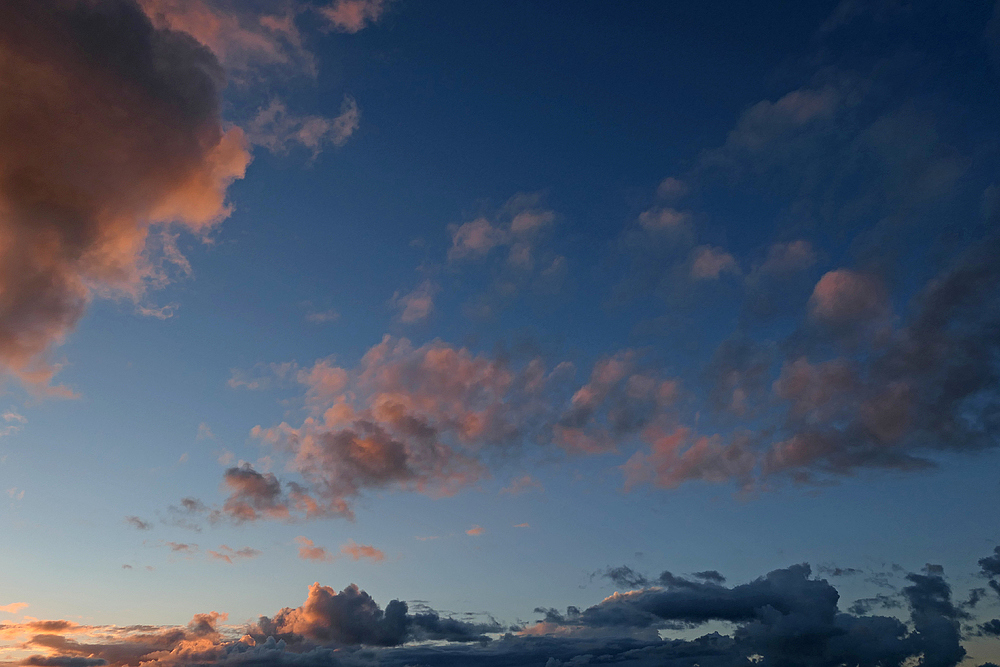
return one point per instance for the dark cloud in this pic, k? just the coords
(63, 661)
(352, 617)
(108, 126)
(991, 628)
(711, 576)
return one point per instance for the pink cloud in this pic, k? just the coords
(844, 296)
(309, 551)
(476, 531)
(353, 15)
(228, 554)
(708, 263)
(13, 607)
(416, 305)
(663, 219)
(474, 239)
(358, 551)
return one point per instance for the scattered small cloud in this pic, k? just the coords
(309, 551)
(417, 305)
(522, 484)
(228, 554)
(359, 551)
(138, 523)
(204, 432)
(352, 16)
(13, 607)
(322, 317)
(475, 531)
(522, 525)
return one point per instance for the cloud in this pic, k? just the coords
(146, 151)
(253, 495)
(417, 305)
(476, 531)
(243, 40)
(786, 617)
(228, 555)
(14, 423)
(204, 432)
(138, 523)
(352, 617)
(309, 551)
(708, 263)
(990, 567)
(358, 551)
(844, 296)
(277, 129)
(522, 525)
(352, 16)
(13, 607)
(322, 317)
(522, 484)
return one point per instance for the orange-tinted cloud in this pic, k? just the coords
(359, 551)
(309, 551)
(13, 607)
(228, 554)
(476, 531)
(102, 141)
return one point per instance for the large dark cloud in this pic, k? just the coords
(108, 126)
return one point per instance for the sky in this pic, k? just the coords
(383, 332)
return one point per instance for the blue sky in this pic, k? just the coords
(497, 310)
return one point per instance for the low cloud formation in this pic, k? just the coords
(786, 617)
(146, 152)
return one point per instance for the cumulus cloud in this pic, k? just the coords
(78, 201)
(13, 607)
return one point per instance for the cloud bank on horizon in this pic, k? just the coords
(786, 617)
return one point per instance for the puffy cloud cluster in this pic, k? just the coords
(432, 419)
(406, 417)
(109, 130)
(852, 389)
